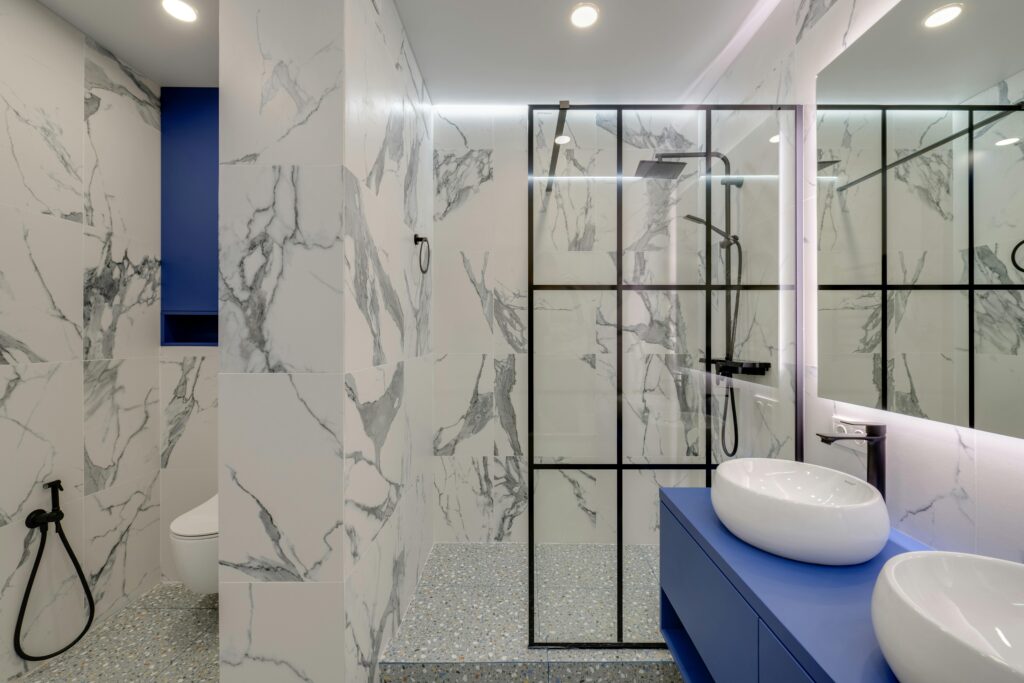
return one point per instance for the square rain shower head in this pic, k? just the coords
(660, 170)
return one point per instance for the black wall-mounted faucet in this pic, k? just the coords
(874, 436)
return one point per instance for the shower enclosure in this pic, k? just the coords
(662, 338)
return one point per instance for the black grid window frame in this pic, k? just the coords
(971, 287)
(708, 288)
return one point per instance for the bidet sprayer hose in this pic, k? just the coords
(41, 519)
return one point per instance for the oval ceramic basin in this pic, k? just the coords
(801, 511)
(950, 617)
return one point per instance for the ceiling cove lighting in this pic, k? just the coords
(1007, 142)
(563, 140)
(774, 139)
(943, 15)
(584, 15)
(180, 10)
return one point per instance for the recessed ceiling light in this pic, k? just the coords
(180, 10)
(584, 15)
(943, 15)
(774, 139)
(1007, 142)
(562, 140)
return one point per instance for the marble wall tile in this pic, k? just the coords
(663, 406)
(850, 346)
(809, 13)
(378, 454)
(281, 631)
(122, 421)
(928, 360)
(281, 269)
(58, 610)
(464, 306)
(849, 222)
(511, 404)
(641, 503)
(280, 442)
(188, 409)
(374, 316)
(480, 499)
(1000, 471)
(40, 288)
(932, 488)
(927, 199)
(122, 151)
(41, 433)
(998, 360)
(281, 69)
(464, 387)
(381, 585)
(464, 190)
(41, 104)
(121, 308)
(121, 549)
(577, 505)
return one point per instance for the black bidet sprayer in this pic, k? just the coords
(41, 519)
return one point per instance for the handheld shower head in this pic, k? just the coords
(727, 239)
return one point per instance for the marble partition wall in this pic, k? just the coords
(79, 307)
(326, 366)
(951, 487)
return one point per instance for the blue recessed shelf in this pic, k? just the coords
(188, 213)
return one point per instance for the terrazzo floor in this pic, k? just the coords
(469, 617)
(168, 634)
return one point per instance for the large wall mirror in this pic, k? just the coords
(921, 215)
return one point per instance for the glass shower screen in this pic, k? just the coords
(662, 319)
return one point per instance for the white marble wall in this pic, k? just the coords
(388, 354)
(951, 487)
(479, 437)
(326, 365)
(79, 311)
(280, 383)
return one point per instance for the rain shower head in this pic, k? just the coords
(660, 168)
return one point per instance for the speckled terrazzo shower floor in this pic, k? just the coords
(468, 619)
(167, 634)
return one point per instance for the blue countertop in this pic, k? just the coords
(821, 614)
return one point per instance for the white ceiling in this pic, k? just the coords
(526, 51)
(899, 61)
(168, 51)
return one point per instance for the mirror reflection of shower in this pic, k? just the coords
(669, 166)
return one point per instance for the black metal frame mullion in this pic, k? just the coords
(618, 376)
(620, 466)
(884, 391)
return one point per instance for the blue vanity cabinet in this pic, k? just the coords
(717, 619)
(735, 614)
(774, 662)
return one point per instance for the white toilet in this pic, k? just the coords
(194, 545)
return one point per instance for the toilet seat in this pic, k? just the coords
(199, 522)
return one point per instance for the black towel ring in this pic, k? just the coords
(1013, 256)
(423, 242)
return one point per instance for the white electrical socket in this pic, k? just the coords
(842, 426)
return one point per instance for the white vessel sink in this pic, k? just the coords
(951, 617)
(800, 511)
